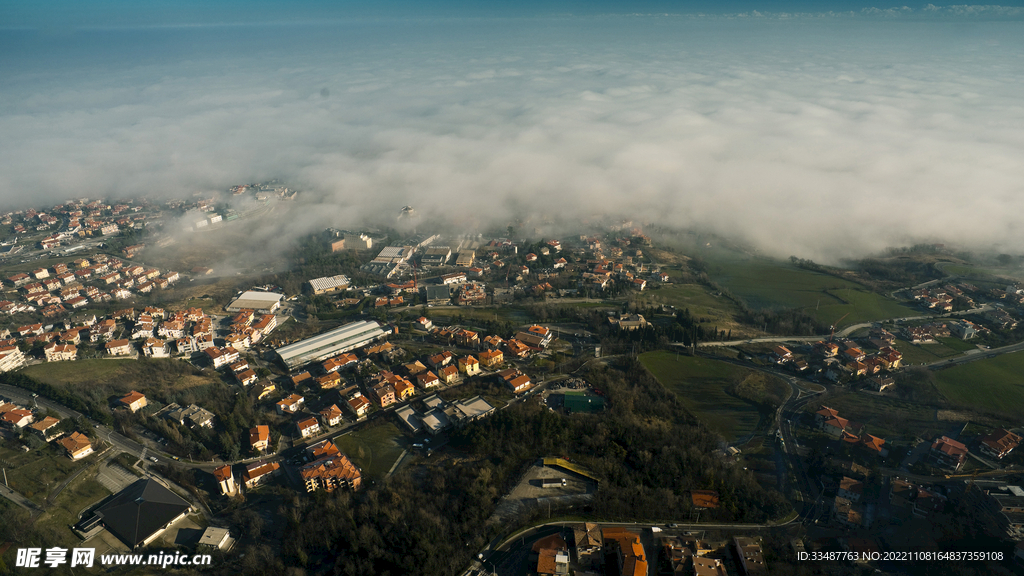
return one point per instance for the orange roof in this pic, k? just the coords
(133, 397)
(260, 433)
(222, 473)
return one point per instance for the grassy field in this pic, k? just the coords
(149, 375)
(373, 449)
(717, 310)
(888, 417)
(995, 384)
(701, 384)
(764, 283)
(926, 353)
(36, 473)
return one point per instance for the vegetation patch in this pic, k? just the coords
(993, 384)
(703, 385)
(374, 448)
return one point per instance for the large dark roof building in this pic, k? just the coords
(141, 512)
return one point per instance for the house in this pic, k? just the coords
(424, 323)
(290, 404)
(748, 556)
(441, 359)
(588, 540)
(948, 453)
(221, 357)
(331, 415)
(844, 513)
(629, 552)
(491, 358)
(427, 380)
(328, 381)
(874, 444)
(17, 418)
(154, 348)
(850, 489)
(120, 347)
(384, 392)
(259, 472)
(45, 428)
(60, 352)
(782, 354)
(518, 382)
(246, 377)
(308, 427)
(77, 445)
(301, 378)
(134, 401)
(11, 358)
(881, 383)
(998, 443)
(339, 362)
(265, 389)
(359, 405)
(835, 426)
(259, 437)
(194, 415)
(330, 473)
(448, 374)
(404, 389)
(469, 365)
(467, 338)
(225, 480)
(516, 348)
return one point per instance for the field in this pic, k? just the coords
(374, 449)
(888, 417)
(701, 384)
(994, 384)
(717, 310)
(149, 375)
(766, 283)
(927, 353)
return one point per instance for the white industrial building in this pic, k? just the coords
(262, 302)
(329, 284)
(322, 346)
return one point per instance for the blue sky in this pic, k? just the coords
(820, 135)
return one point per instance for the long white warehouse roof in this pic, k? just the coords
(323, 346)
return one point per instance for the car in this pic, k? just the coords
(175, 457)
(153, 458)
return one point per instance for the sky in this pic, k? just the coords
(818, 133)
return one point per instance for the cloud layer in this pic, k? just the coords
(817, 136)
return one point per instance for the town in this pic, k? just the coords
(604, 402)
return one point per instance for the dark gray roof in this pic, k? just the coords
(137, 512)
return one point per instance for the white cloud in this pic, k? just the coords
(821, 137)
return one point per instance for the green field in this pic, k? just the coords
(926, 353)
(995, 384)
(696, 298)
(39, 471)
(151, 375)
(373, 449)
(888, 417)
(700, 384)
(764, 283)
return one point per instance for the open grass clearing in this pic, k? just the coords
(374, 449)
(924, 353)
(37, 472)
(701, 384)
(153, 375)
(764, 283)
(993, 384)
(887, 417)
